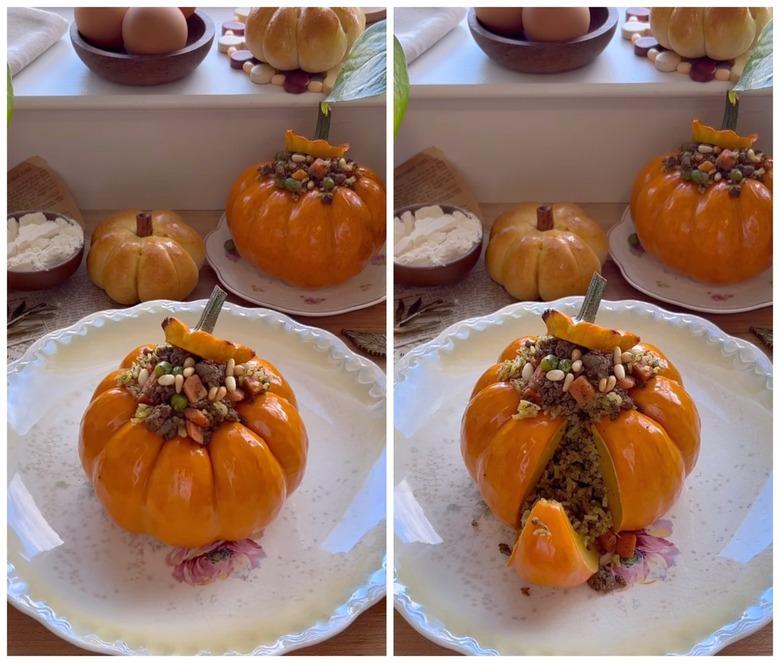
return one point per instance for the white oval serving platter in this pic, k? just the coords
(452, 583)
(109, 591)
(648, 275)
(238, 276)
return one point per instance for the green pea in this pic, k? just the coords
(328, 183)
(291, 184)
(179, 402)
(178, 370)
(736, 175)
(549, 363)
(564, 365)
(699, 177)
(163, 368)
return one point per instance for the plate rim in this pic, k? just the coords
(625, 219)
(365, 371)
(753, 617)
(215, 265)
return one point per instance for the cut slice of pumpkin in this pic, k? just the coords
(203, 344)
(549, 552)
(587, 334)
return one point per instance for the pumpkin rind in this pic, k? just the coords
(184, 493)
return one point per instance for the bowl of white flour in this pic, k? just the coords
(434, 244)
(43, 249)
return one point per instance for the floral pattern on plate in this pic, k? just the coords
(238, 276)
(649, 276)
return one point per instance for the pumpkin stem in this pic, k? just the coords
(143, 224)
(208, 319)
(323, 123)
(731, 112)
(592, 301)
(544, 218)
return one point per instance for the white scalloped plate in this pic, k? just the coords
(648, 275)
(238, 276)
(452, 583)
(109, 591)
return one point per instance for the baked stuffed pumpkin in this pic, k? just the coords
(576, 438)
(193, 441)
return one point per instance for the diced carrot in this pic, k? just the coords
(236, 395)
(642, 373)
(319, 169)
(196, 416)
(627, 383)
(530, 394)
(195, 432)
(299, 174)
(607, 541)
(193, 389)
(253, 386)
(626, 545)
(582, 391)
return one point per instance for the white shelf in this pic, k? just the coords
(59, 79)
(456, 67)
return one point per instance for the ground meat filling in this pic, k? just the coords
(181, 394)
(561, 379)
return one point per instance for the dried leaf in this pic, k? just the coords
(764, 334)
(416, 306)
(37, 312)
(373, 343)
(18, 310)
(400, 310)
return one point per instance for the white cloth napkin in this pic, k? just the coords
(420, 28)
(30, 33)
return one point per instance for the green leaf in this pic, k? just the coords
(364, 72)
(757, 73)
(400, 86)
(10, 97)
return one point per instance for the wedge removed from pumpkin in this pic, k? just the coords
(204, 344)
(549, 552)
(587, 334)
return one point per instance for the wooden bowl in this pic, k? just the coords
(49, 277)
(122, 67)
(443, 274)
(537, 57)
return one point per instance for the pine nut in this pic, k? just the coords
(189, 361)
(230, 383)
(143, 376)
(617, 355)
(555, 375)
(182, 430)
(213, 394)
(627, 357)
(611, 382)
(528, 371)
(576, 354)
(577, 366)
(620, 371)
(567, 381)
(166, 380)
(231, 366)
(705, 149)
(603, 385)
(221, 393)
(298, 158)
(179, 383)
(188, 371)
(239, 370)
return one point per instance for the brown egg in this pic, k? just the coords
(555, 23)
(187, 11)
(154, 30)
(506, 21)
(101, 26)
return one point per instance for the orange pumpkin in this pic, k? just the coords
(186, 492)
(708, 219)
(311, 217)
(644, 452)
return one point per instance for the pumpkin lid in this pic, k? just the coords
(296, 143)
(725, 138)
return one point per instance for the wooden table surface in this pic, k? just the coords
(407, 641)
(367, 635)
